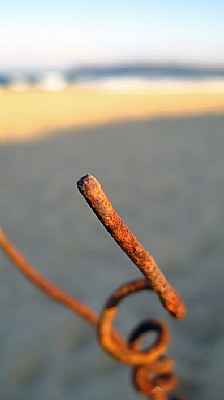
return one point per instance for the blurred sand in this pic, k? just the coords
(165, 178)
(173, 167)
(25, 115)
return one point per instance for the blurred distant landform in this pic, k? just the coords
(115, 74)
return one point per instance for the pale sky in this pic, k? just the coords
(61, 33)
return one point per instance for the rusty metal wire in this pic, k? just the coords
(90, 188)
(153, 374)
(152, 371)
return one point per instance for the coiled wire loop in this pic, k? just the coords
(152, 372)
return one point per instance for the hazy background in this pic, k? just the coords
(49, 34)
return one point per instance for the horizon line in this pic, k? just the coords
(195, 65)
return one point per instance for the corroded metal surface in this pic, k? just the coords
(152, 371)
(102, 207)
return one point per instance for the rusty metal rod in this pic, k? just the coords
(90, 188)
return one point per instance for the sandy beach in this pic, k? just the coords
(35, 113)
(159, 157)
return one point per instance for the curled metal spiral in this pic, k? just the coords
(153, 374)
(152, 371)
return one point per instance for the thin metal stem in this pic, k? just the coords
(90, 188)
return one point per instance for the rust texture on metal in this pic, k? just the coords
(152, 371)
(91, 189)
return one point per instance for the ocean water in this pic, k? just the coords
(165, 178)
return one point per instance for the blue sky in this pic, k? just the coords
(48, 33)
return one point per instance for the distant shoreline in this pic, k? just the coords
(34, 113)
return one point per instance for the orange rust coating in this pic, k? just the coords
(154, 387)
(126, 352)
(90, 188)
(153, 373)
